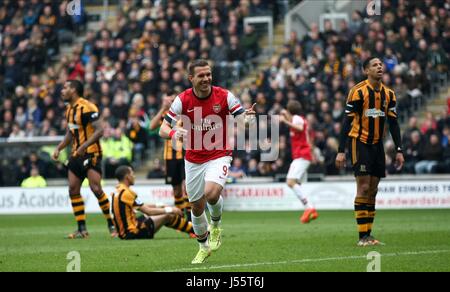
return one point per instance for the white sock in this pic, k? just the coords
(298, 190)
(216, 212)
(200, 225)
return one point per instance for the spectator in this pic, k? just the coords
(412, 150)
(249, 43)
(151, 47)
(138, 135)
(33, 113)
(252, 170)
(157, 170)
(329, 154)
(12, 76)
(119, 109)
(412, 127)
(30, 129)
(35, 180)
(17, 132)
(237, 169)
(117, 150)
(430, 154)
(444, 165)
(64, 25)
(437, 58)
(429, 125)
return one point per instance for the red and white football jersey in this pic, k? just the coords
(299, 139)
(205, 119)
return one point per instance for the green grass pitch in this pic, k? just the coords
(416, 240)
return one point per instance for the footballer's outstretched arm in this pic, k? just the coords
(172, 117)
(165, 129)
(248, 116)
(167, 132)
(156, 121)
(295, 123)
(151, 210)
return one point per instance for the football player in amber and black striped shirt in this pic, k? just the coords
(84, 131)
(124, 203)
(369, 104)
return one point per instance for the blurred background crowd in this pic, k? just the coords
(128, 68)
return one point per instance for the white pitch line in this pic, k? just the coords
(305, 261)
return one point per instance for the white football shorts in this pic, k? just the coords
(299, 170)
(198, 174)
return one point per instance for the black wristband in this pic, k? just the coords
(399, 150)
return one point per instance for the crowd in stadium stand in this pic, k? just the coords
(129, 68)
(411, 38)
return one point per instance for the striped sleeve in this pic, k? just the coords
(90, 113)
(234, 105)
(175, 111)
(354, 102)
(128, 198)
(392, 106)
(134, 196)
(91, 107)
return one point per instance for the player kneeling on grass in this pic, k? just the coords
(125, 202)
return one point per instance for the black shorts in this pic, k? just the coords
(80, 165)
(367, 159)
(175, 171)
(146, 229)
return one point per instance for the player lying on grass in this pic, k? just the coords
(125, 202)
